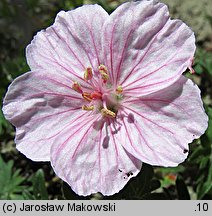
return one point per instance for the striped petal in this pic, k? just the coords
(157, 128)
(71, 44)
(40, 106)
(90, 159)
(144, 49)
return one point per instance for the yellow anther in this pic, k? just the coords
(105, 76)
(88, 73)
(119, 89)
(87, 96)
(87, 108)
(103, 69)
(108, 113)
(76, 87)
(104, 72)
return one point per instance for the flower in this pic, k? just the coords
(106, 93)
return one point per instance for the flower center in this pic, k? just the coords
(102, 98)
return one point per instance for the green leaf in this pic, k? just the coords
(205, 186)
(39, 188)
(208, 132)
(199, 69)
(182, 190)
(203, 62)
(204, 162)
(168, 170)
(13, 186)
(198, 153)
(202, 156)
(4, 125)
(27, 195)
(15, 67)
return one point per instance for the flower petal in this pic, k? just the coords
(40, 106)
(157, 128)
(71, 44)
(145, 50)
(90, 158)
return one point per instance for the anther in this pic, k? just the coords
(76, 87)
(105, 77)
(87, 108)
(108, 113)
(87, 96)
(104, 72)
(88, 73)
(103, 69)
(119, 89)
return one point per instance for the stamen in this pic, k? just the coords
(87, 108)
(103, 69)
(119, 89)
(88, 73)
(105, 77)
(108, 113)
(87, 96)
(104, 72)
(76, 87)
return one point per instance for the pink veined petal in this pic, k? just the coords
(144, 50)
(71, 44)
(40, 106)
(90, 158)
(157, 128)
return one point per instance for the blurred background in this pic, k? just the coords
(20, 178)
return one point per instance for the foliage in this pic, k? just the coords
(203, 62)
(3, 123)
(12, 187)
(39, 191)
(17, 186)
(190, 180)
(202, 156)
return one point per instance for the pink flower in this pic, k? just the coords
(106, 93)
